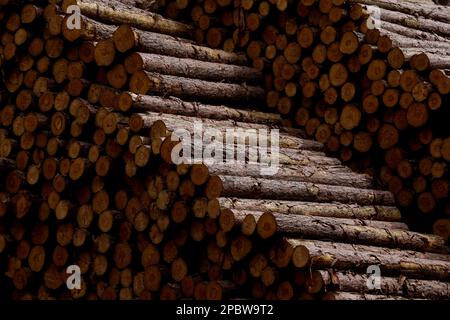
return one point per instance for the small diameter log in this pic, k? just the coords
(322, 175)
(354, 231)
(176, 106)
(350, 296)
(125, 38)
(190, 68)
(301, 191)
(411, 288)
(336, 210)
(342, 256)
(116, 12)
(142, 82)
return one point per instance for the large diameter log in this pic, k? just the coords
(301, 191)
(401, 286)
(179, 107)
(191, 68)
(125, 38)
(323, 228)
(143, 82)
(341, 256)
(117, 13)
(441, 13)
(336, 210)
(323, 175)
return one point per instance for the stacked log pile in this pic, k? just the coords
(88, 179)
(375, 92)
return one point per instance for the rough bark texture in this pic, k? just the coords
(172, 105)
(126, 39)
(190, 68)
(316, 209)
(323, 228)
(411, 288)
(289, 190)
(143, 82)
(116, 12)
(391, 261)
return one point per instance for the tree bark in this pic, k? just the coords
(336, 295)
(324, 175)
(393, 262)
(288, 138)
(143, 82)
(402, 286)
(336, 210)
(415, 22)
(172, 105)
(301, 191)
(431, 11)
(190, 68)
(115, 12)
(322, 228)
(126, 39)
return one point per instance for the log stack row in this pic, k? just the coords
(368, 78)
(88, 177)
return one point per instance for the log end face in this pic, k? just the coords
(124, 38)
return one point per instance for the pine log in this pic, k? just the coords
(115, 12)
(143, 82)
(125, 38)
(410, 288)
(414, 22)
(190, 68)
(337, 210)
(435, 12)
(342, 256)
(171, 105)
(324, 175)
(288, 138)
(90, 30)
(301, 191)
(322, 228)
(350, 296)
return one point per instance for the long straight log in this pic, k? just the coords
(143, 82)
(322, 228)
(436, 12)
(288, 138)
(336, 210)
(393, 262)
(281, 228)
(112, 11)
(323, 175)
(126, 38)
(408, 42)
(411, 32)
(301, 191)
(191, 68)
(411, 288)
(414, 22)
(171, 105)
(352, 296)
